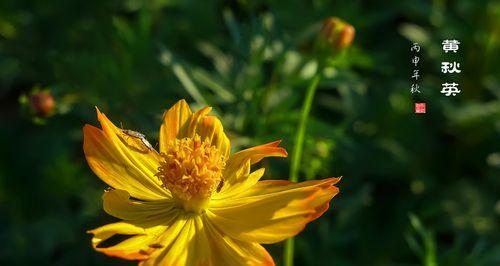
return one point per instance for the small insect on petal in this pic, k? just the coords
(221, 184)
(143, 252)
(156, 246)
(139, 136)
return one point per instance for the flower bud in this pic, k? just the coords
(336, 34)
(42, 103)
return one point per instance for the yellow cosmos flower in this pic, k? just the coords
(192, 202)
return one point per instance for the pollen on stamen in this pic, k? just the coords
(191, 169)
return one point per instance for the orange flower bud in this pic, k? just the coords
(42, 103)
(336, 33)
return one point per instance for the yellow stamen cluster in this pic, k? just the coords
(191, 169)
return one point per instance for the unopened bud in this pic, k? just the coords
(336, 34)
(42, 103)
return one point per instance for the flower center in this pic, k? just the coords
(191, 169)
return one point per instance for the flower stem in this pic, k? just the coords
(297, 153)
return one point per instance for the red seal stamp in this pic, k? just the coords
(419, 108)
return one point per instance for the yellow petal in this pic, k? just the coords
(199, 243)
(180, 247)
(179, 122)
(119, 204)
(112, 156)
(196, 119)
(237, 171)
(144, 237)
(209, 127)
(116, 166)
(228, 251)
(238, 181)
(272, 211)
(175, 123)
(130, 251)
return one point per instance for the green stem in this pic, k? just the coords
(297, 154)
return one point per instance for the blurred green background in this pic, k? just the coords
(417, 189)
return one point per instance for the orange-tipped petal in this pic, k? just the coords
(145, 236)
(130, 251)
(257, 153)
(235, 178)
(272, 211)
